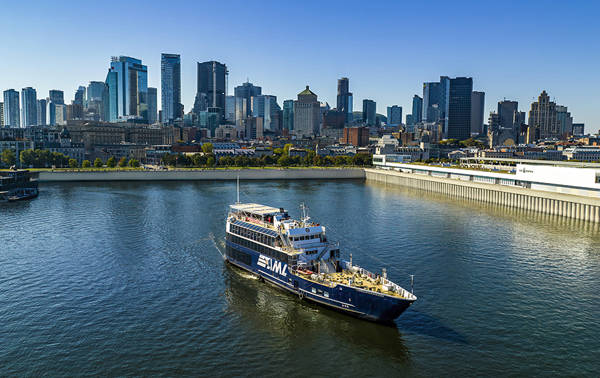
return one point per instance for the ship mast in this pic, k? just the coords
(305, 216)
(238, 189)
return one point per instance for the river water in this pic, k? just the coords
(127, 279)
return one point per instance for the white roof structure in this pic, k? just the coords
(254, 208)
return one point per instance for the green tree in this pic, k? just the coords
(28, 158)
(73, 163)
(284, 161)
(472, 143)
(286, 149)
(207, 148)
(8, 157)
(210, 161)
(318, 161)
(111, 162)
(199, 160)
(123, 162)
(58, 160)
(169, 159)
(86, 164)
(44, 158)
(278, 152)
(133, 163)
(98, 163)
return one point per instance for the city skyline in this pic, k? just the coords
(520, 76)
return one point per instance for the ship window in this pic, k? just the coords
(326, 294)
(314, 290)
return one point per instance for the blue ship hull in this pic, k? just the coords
(350, 300)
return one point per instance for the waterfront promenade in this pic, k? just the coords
(202, 174)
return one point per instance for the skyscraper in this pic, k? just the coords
(344, 99)
(42, 105)
(543, 119)
(212, 82)
(306, 114)
(506, 113)
(131, 87)
(369, 112)
(394, 115)
(288, 115)
(112, 85)
(78, 103)
(11, 109)
(56, 97)
(417, 109)
(230, 109)
(243, 100)
(477, 110)
(28, 107)
(565, 120)
(459, 108)
(266, 106)
(435, 101)
(152, 106)
(431, 101)
(578, 128)
(79, 96)
(170, 87)
(1, 114)
(96, 104)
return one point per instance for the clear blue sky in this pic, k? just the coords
(512, 49)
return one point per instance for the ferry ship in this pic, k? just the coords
(297, 256)
(17, 185)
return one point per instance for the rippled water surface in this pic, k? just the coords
(127, 279)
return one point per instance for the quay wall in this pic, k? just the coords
(207, 174)
(570, 206)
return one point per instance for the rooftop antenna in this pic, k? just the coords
(238, 189)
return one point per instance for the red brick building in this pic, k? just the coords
(356, 136)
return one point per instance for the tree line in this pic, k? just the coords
(45, 159)
(280, 158)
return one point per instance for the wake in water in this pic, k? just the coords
(220, 246)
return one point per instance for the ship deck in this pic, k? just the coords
(356, 280)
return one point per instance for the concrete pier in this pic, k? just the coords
(569, 206)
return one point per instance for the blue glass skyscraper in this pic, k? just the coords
(42, 105)
(170, 87)
(288, 115)
(112, 84)
(56, 98)
(29, 107)
(131, 87)
(394, 115)
(11, 109)
(369, 112)
(417, 109)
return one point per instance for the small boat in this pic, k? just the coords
(17, 185)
